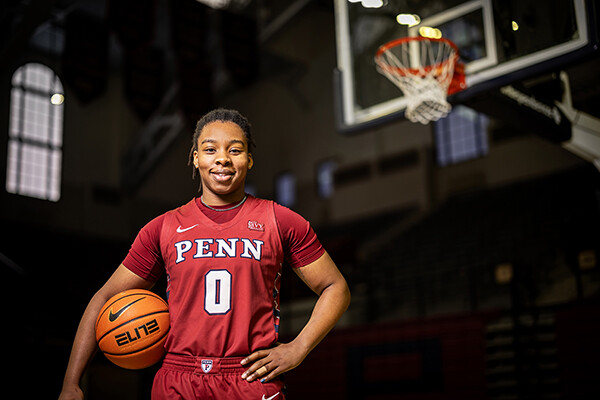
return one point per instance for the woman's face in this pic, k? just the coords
(222, 160)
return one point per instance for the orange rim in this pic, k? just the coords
(412, 71)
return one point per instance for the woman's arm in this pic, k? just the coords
(324, 278)
(84, 345)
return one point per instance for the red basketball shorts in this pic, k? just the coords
(189, 378)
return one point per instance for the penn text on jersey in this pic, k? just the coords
(218, 248)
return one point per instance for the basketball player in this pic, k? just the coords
(222, 254)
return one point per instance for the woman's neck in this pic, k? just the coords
(213, 199)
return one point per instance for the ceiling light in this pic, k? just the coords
(429, 32)
(57, 99)
(408, 19)
(215, 3)
(372, 3)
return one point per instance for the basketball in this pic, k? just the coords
(132, 327)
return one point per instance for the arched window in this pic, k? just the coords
(35, 133)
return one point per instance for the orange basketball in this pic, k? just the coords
(132, 327)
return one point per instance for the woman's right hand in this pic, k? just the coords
(71, 393)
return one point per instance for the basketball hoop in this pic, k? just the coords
(427, 70)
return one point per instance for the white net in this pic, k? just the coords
(422, 68)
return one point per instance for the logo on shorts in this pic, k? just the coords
(206, 365)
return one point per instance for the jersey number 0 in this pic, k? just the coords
(217, 292)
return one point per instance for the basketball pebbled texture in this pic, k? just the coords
(132, 327)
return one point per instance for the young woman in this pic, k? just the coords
(222, 254)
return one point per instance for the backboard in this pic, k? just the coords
(500, 42)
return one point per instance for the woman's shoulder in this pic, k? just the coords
(281, 212)
(156, 223)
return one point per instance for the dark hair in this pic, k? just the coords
(221, 115)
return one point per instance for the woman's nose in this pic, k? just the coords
(223, 158)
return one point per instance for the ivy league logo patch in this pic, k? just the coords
(256, 226)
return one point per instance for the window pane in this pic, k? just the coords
(17, 78)
(57, 124)
(285, 190)
(11, 175)
(461, 136)
(54, 175)
(325, 172)
(36, 117)
(34, 166)
(38, 77)
(15, 111)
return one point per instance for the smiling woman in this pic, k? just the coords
(222, 253)
(222, 159)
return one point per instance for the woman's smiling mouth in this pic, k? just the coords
(222, 175)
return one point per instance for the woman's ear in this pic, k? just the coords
(196, 159)
(250, 161)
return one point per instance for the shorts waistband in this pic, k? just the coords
(203, 365)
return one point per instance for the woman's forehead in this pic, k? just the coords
(225, 131)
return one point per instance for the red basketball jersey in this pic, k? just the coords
(222, 280)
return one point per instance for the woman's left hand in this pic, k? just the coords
(267, 364)
(323, 277)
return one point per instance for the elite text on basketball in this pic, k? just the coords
(141, 331)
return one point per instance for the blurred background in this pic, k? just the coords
(473, 271)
